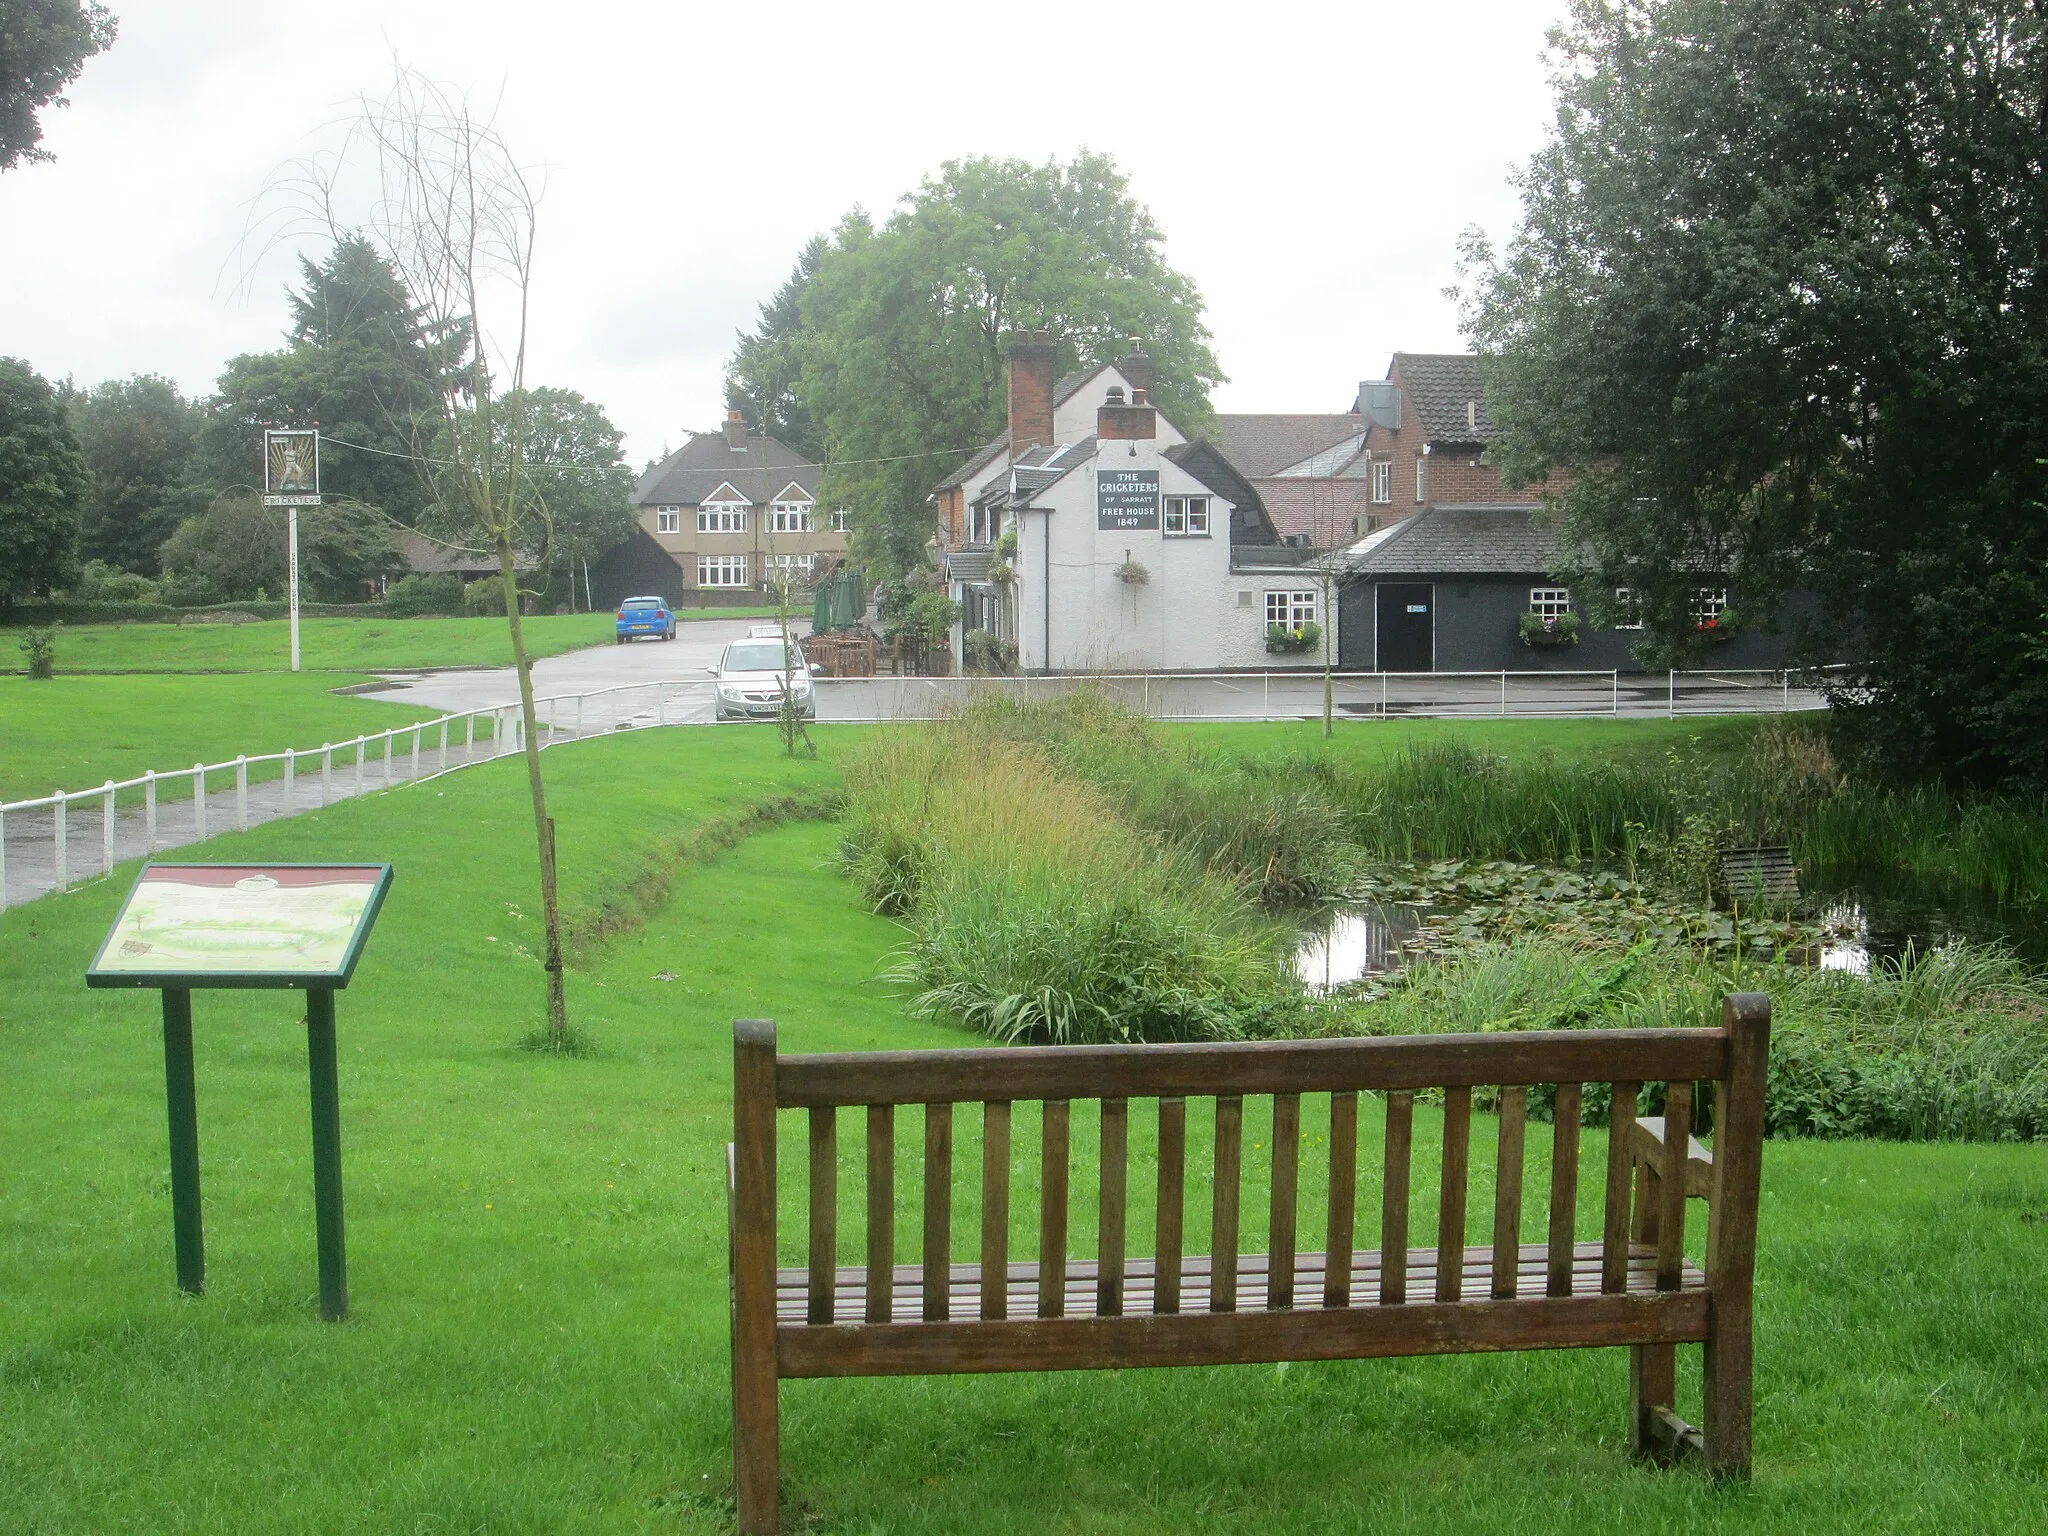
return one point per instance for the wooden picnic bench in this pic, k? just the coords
(1632, 1287)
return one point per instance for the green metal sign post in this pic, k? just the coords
(187, 926)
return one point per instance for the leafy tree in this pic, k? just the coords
(904, 326)
(237, 549)
(580, 492)
(137, 435)
(1777, 302)
(363, 363)
(43, 484)
(43, 47)
(764, 378)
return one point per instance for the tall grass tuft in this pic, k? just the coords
(1946, 1045)
(1038, 912)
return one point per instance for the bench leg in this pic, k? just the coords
(1725, 1423)
(1652, 1384)
(754, 1453)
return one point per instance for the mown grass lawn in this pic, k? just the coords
(74, 732)
(537, 1246)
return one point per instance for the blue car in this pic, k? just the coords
(645, 616)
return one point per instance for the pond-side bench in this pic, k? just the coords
(1633, 1287)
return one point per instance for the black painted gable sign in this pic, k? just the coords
(1126, 499)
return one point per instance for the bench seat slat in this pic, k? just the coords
(1533, 1321)
(1022, 1282)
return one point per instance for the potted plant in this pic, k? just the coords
(1282, 641)
(1719, 627)
(1548, 634)
(1001, 573)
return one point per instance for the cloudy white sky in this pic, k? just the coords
(1311, 165)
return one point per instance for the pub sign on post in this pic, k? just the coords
(1126, 499)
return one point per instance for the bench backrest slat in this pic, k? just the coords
(1281, 1206)
(1291, 1066)
(1564, 1188)
(1054, 1145)
(1343, 1199)
(995, 1208)
(1226, 1188)
(1450, 1210)
(938, 1212)
(1173, 1179)
(824, 1214)
(881, 1296)
(1394, 1199)
(1507, 1193)
(1614, 1228)
(1670, 1193)
(1114, 1162)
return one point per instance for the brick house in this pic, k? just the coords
(1309, 470)
(721, 517)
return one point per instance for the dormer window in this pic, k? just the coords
(791, 516)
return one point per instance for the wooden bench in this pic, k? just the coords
(1633, 1287)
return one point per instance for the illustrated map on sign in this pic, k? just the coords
(220, 919)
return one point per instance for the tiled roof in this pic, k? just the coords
(1458, 540)
(968, 564)
(1070, 386)
(1265, 445)
(1440, 385)
(1215, 471)
(706, 461)
(977, 461)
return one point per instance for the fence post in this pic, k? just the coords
(1671, 700)
(469, 736)
(149, 811)
(3, 859)
(199, 802)
(242, 790)
(326, 773)
(660, 705)
(291, 768)
(57, 836)
(416, 750)
(1266, 697)
(1784, 693)
(107, 829)
(442, 761)
(1503, 692)
(388, 735)
(1383, 695)
(579, 716)
(361, 747)
(1614, 700)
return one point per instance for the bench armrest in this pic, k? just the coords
(1646, 1145)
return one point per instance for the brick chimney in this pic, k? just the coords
(1031, 357)
(735, 431)
(1117, 422)
(1137, 367)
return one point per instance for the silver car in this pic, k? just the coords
(751, 675)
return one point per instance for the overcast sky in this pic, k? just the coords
(1311, 166)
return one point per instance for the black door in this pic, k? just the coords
(1407, 627)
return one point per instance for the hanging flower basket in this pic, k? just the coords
(1000, 573)
(1552, 634)
(1721, 628)
(1132, 574)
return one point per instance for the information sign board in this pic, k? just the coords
(1126, 499)
(241, 925)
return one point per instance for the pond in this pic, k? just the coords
(1353, 940)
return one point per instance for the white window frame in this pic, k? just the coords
(721, 570)
(1291, 609)
(791, 517)
(1628, 612)
(1550, 603)
(1186, 517)
(722, 517)
(668, 519)
(1383, 482)
(841, 519)
(981, 524)
(1712, 601)
(790, 565)
(1419, 484)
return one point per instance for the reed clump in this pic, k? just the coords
(1950, 1044)
(1039, 913)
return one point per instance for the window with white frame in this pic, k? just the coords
(1550, 603)
(722, 517)
(1712, 601)
(841, 519)
(791, 516)
(1187, 517)
(668, 519)
(981, 524)
(1419, 463)
(721, 570)
(1383, 481)
(791, 568)
(1628, 609)
(1291, 610)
